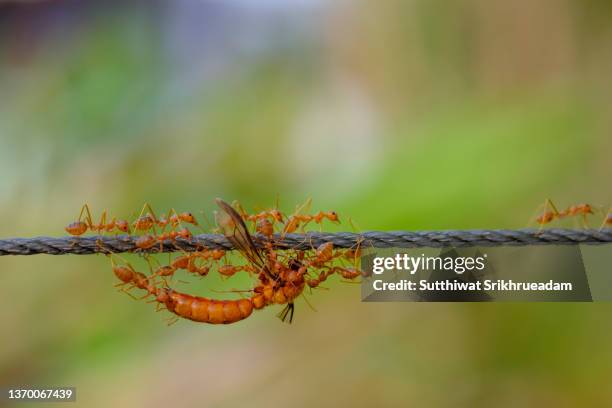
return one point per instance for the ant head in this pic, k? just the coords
(123, 226)
(277, 215)
(333, 216)
(189, 218)
(163, 295)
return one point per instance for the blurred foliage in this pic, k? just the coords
(400, 115)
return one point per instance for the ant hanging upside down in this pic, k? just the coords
(280, 276)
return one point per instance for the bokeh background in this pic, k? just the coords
(418, 114)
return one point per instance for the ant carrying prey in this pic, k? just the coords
(280, 276)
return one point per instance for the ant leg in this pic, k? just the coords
(536, 215)
(353, 225)
(126, 290)
(277, 202)
(554, 208)
(286, 310)
(356, 253)
(82, 211)
(350, 281)
(147, 258)
(240, 209)
(144, 296)
(207, 221)
(101, 229)
(88, 217)
(171, 320)
(215, 229)
(548, 204)
(298, 210)
(125, 261)
(148, 207)
(178, 219)
(308, 220)
(103, 219)
(305, 206)
(605, 220)
(307, 240)
(308, 302)
(141, 213)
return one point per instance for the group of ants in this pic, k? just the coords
(281, 276)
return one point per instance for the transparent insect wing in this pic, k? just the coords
(235, 230)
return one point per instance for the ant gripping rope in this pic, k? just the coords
(280, 277)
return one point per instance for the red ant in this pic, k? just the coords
(297, 219)
(186, 262)
(293, 221)
(231, 270)
(145, 241)
(80, 227)
(175, 219)
(128, 275)
(274, 214)
(580, 209)
(551, 213)
(186, 217)
(313, 283)
(147, 221)
(607, 222)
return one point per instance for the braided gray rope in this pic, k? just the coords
(376, 239)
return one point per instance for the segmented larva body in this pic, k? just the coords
(204, 310)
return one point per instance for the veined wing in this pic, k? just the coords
(235, 230)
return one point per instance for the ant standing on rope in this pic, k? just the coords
(280, 276)
(551, 213)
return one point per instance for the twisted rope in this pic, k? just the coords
(376, 239)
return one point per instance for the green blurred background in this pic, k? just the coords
(418, 114)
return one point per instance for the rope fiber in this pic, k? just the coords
(376, 239)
